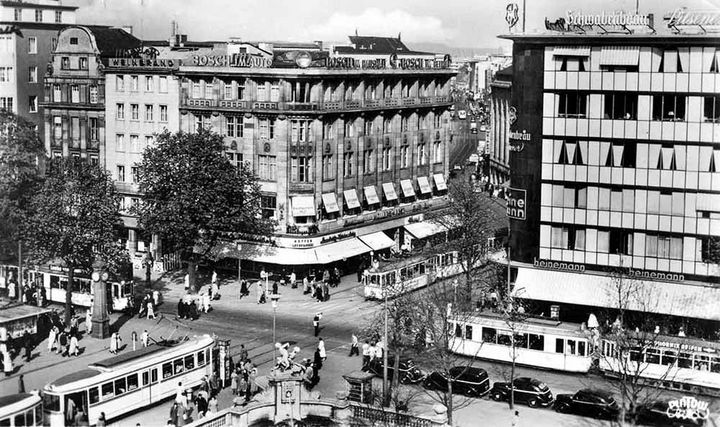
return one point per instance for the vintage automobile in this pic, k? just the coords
(656, 414)
(589, 402)
(467, 380)
(409, 373)
(530, 391)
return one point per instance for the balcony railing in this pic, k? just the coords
(319, 106)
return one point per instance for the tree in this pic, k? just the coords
(472, 218)
(193, 195)
(74, 217)
(20, 154)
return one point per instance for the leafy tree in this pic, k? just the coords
(74, 217)
(193, 195)
(20, 154)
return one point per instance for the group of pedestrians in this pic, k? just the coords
(6, 357)
(204, 400)
(371, 350)
(242, 378)
(149, 304)
(64, 342)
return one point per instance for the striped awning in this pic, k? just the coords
(571, 51)
(619, 55)
(330, 202)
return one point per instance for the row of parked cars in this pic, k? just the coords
(475, 382)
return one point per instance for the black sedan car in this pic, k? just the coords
(409, 373)
(589, 402)
(469, 381)
(527, 390)
(656, 414)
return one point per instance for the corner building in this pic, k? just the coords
(342, 152)
(620, 170)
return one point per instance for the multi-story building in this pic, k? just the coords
(74, 102)
(497, 147)
(619, 171)
(28, 35)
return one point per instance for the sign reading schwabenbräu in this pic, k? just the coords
(516, 203)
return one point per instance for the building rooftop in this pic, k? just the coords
(569, 38)
(377, 45)
(111, 40)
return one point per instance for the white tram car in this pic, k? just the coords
(129, 381)
(21, 410)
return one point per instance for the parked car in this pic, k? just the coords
(409, 373)
(656, 414)
(527, 390)
(588, 402)
(468, 380)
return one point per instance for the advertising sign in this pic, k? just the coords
(516, 204)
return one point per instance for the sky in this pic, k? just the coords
(459, 23)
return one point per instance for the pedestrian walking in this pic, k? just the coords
(354, 350)
(260, 293)
(51, 338)
(293, 280)
(101, 422)
(81, 418)
(212, 406)
(336, 276)
(156, 297)
(150, 310)
(316, 323)
(243, 354)
(21, 383)
(326, 276)
(7, 363)
(115, 342)
(234, 382)
(306, 285)
(144, 338)
(73, 346)
(215, 291)
(366, 354)
(317, 359)
(62, 342)
(516, 419)
(321, 349)
(28, 346)
(326, 291)
(244, 288)
(187, 282)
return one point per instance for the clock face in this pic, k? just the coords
(95, 276)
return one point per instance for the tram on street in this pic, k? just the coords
(406, 275)
(675, 363)
(542, 343)
(129, 381)
(21, 410)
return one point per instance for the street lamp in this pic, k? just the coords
(274, 298)
(239, 248)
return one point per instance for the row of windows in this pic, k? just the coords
(686, 360)
(6, 103)
(66, 63)
(624, 106)
(71, 129)
(148, 112)
(18, 15)
(31, 417)
(569, 346)
(77, 94)
(148, 83)
(634, 59)
(615, 241)
(135, 143)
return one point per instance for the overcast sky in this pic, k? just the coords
(461, 23)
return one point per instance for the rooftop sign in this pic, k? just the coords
(144, 63)
(605, 22)
(240, 60)
(393, 62)
(681, 17)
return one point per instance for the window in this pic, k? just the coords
(107, 390)
(120, 108)
(120, 142)
(167, 370)
(149, 84)
(39, 18)
(301, 169)
(163, 113)
(201, 358)
(422, 155)
(6, 74)
(710, 249)
(135, 143)
(235, 126)
(178, 366)
(387, 159)
(54, 41)
(262, 92)
(348, 160)
(94, 395)
(121, 173)
(120, 83)
(32, 104)
(327, 166)
(32, 44)
(436, 120)
(437, 152)
(300, 131)
(603, 241)
(349, 129)
(240, 91)
(134, 112)
(18, 14)
(58, 16)
(711, 110)
(621, 106)
(267, 206)
(93, 128)
(267, 128)
(669, 107)
(6, 103)
(572, 104)
(83, 63)
(74, 94)
(93, 94)
(134, 83)
(163, 84)
(536, 342)
(368, 161)
(274, 93)
(57, 94)
(489, 335)
(404, 156)
(267, 168)
(621, 242)
(57, 121)
(149, 113)
(148, 140)
(202, 122)
(132, 382)
(190, 362)
(135, 173)
(572, 63)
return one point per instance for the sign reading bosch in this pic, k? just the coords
(240, 60)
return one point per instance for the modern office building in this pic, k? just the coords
(618, 171)
(28, 35)
(74, 99)
(497, 147)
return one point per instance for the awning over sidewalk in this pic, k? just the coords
(330, 203)
(371, 195)
(407, 188)
(440, 182)
(421, 230)
(389, 190)
(377, 241)
(424, 185)
(342, 249)
(303, 206)
(351, 199)
(676, 299)
(265, 253)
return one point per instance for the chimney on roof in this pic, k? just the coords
(399, 38)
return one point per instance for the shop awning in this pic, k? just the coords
(377, 241)
(330, 203)
(619, 55)
(303, 206)
(389, 190)
(676, 299)
(351, 199)
(266, 253)
(424, 185)
(440, 182)
(571, 51)
(342, 249)
(407, 188)
(371, 195)
(421, 230)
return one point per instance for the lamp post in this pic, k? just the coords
(239, 248)
(274, 298)
(100, 320)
